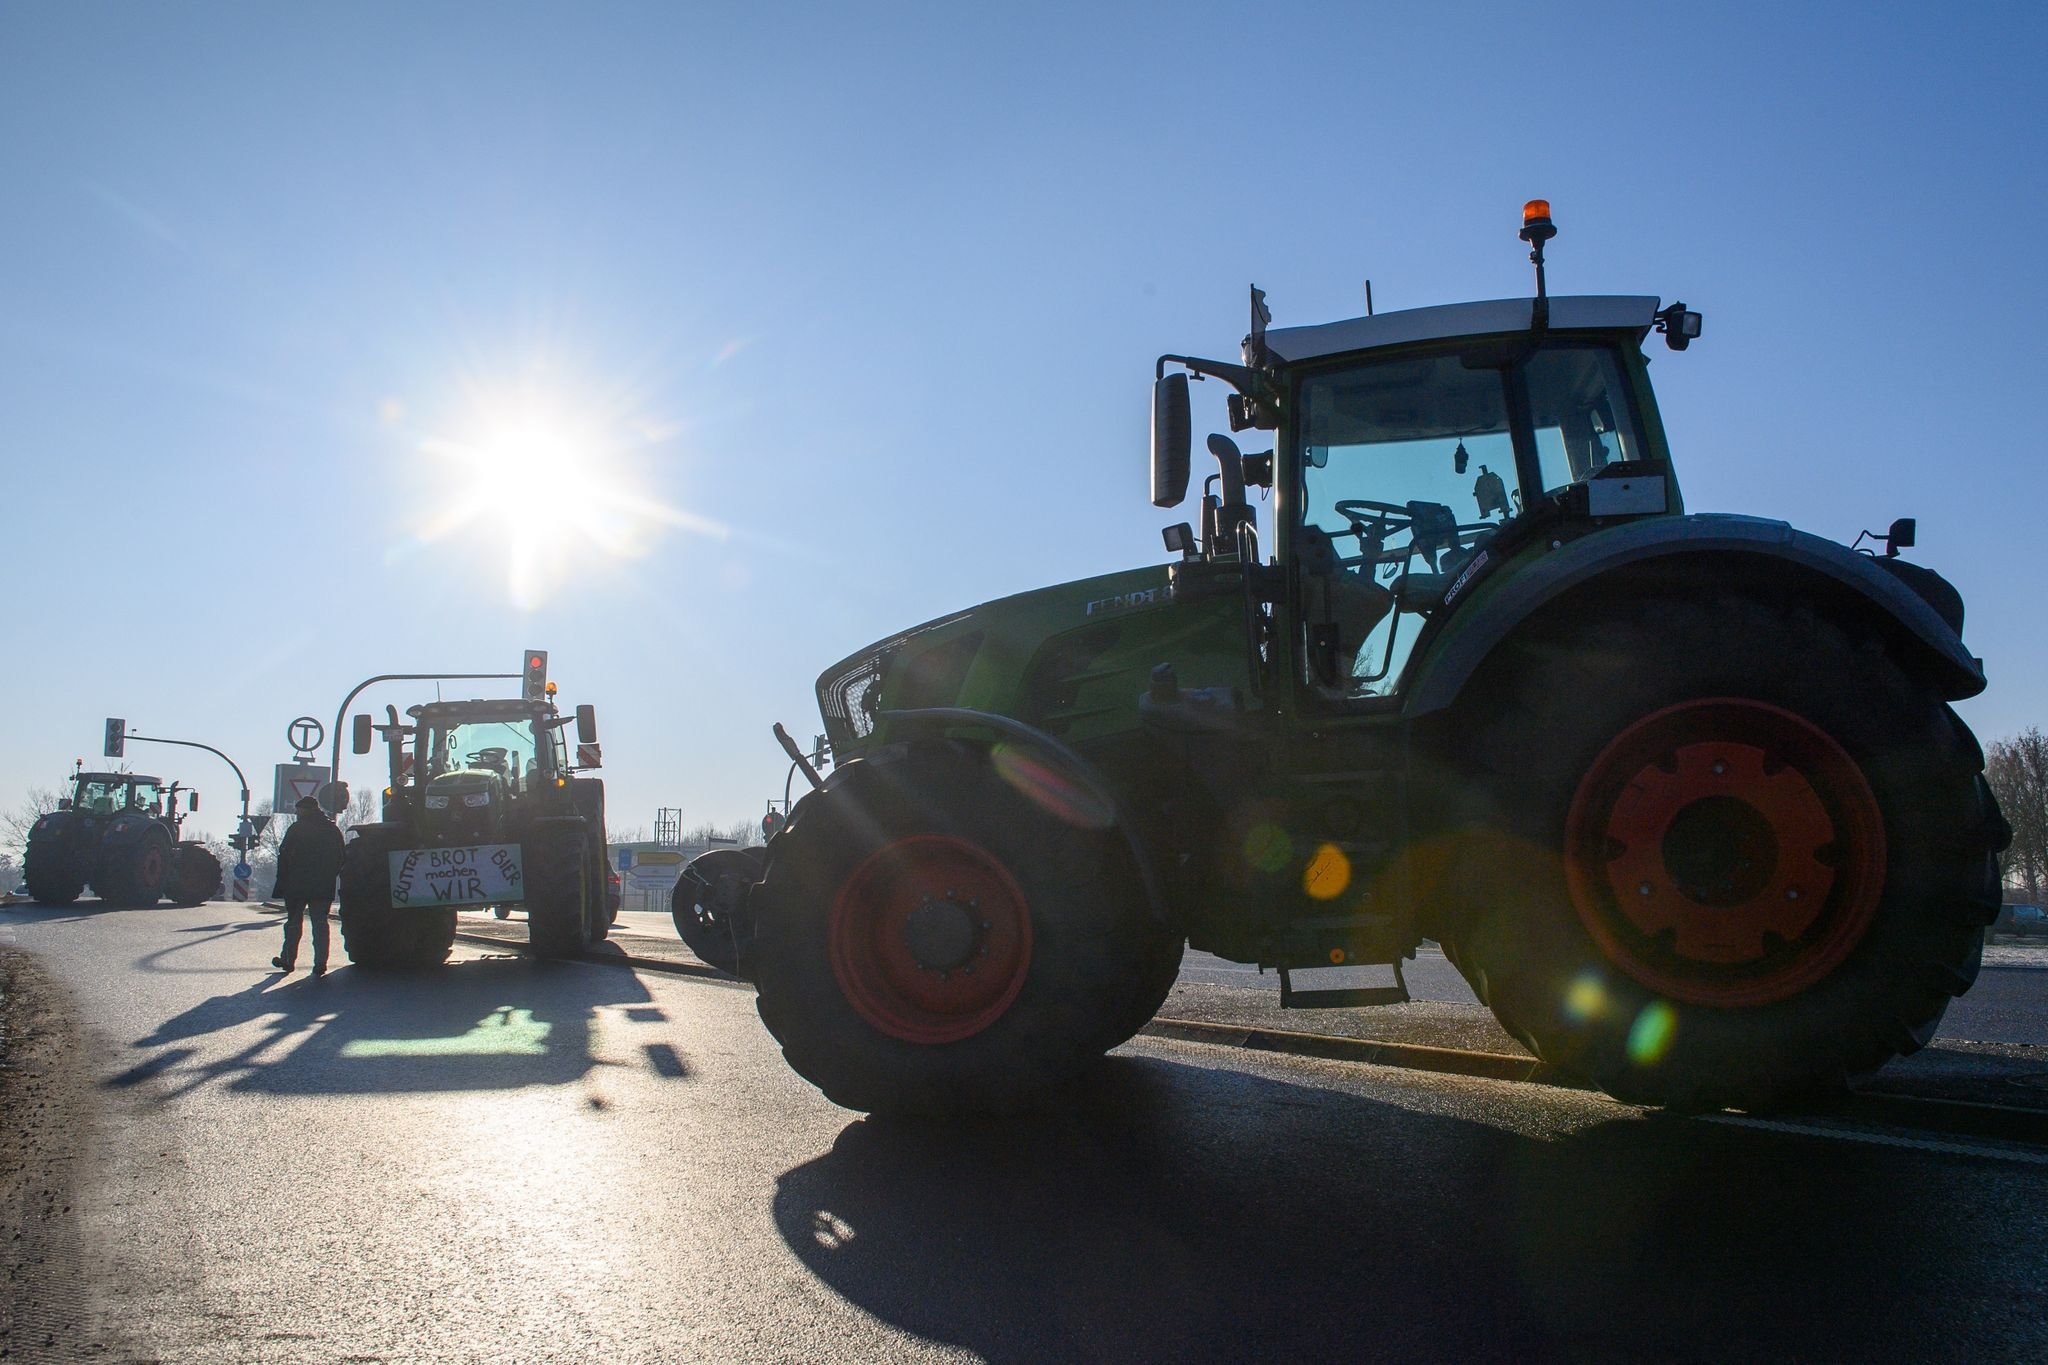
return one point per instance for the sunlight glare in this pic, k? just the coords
(546, 487)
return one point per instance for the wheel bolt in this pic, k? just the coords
(1720, 768)
(1643, 890)
(1791, 893)
(986, 926)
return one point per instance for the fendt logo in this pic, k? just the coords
(1130, 601)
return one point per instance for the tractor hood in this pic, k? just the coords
(1071, 658)
(929, 665)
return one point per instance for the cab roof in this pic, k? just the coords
(503, 710)
(121, 777)
(1570, 312)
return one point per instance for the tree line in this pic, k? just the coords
(2017, 769)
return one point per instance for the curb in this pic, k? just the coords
(1955, 1118)
(1495, 1066)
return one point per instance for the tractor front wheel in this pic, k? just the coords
(707, 901)
(929, 939)
(556, 859)
(374, 932)
(1722, 854)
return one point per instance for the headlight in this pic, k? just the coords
(474, 799)
(437, 800)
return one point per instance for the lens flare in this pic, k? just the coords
(1268, 848)
(1649, 1038)
(1328, 873)
(1052, 792)
(1585, 999)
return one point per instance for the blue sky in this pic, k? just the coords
(853, 312)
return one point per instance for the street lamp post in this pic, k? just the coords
(194, 744)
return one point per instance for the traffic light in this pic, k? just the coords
(535, 686)
(117, 737)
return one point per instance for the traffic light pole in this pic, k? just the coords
(341, 715)
(193, 744)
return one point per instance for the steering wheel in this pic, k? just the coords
(493, 759)
(1391, 516)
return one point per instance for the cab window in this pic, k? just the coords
(1578, 400)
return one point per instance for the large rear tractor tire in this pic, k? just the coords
(1722, 854)
(51, 879)
(133, 874)
(929, 940)
(374, 932)
(561, 921)
(195, 876)
(708, 901)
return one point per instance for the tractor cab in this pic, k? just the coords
(1416, 451)
(475, 766)
(1424, 447)
(116, 793)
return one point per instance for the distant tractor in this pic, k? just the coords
(118, 833)
(1681, 795)
(483, 809)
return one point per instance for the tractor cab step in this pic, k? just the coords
(1346, 997)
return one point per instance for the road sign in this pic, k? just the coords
(625, 859)
(659, 857)
(243, 872)
(305, 734)
(117, 737)
(296, 780)
(333, 797)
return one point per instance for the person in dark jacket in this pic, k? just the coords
(308, 861)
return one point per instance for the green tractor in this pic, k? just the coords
(1681, 795)
(484, 809)
(118, 833)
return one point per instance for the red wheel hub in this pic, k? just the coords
(152, 866)
(1725, 852)
(930, 939)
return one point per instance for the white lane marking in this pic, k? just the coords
(1881, 1139)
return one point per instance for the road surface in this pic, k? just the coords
(512, 1160)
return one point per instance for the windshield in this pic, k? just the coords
(1408, 468)
(503, 747)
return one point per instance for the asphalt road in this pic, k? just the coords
(511, 1160)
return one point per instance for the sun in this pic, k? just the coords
(545, 486)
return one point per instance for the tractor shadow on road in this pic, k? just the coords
(1174, 1212)
(485, 1024)
(35, 912)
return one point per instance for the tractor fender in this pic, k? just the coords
(1055, 754)
(54, 826)
(1933, 648)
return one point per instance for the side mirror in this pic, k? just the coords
(1170, 436)
(586, 724)
(1901, 535)
(191, 800)
(364, 732)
